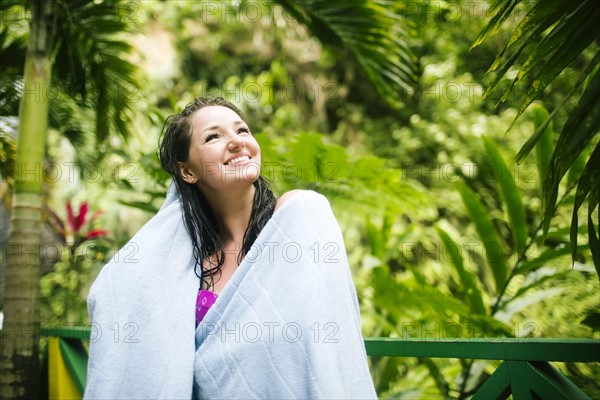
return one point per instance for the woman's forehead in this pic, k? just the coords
(215, 116)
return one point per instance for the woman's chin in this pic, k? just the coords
(240, 181)
(248, 172)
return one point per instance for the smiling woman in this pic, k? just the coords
(214, 160)
(272, 318)
(221, 149)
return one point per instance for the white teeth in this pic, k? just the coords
(238, 159)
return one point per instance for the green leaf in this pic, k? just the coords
(594, 242)
(540, 17)
(577, 167)
(519, 303)
(371, 32)
(542, 259)
(511, 195)
(559, 49)
(127, 184)
(467, 280)
(559, 235)
(375, 240)
(438, 377)
(92, 62)
(572, 28)
(583, 124)
(534, 281)
(358, 186)
(141, 205)
(531, 142)
(593, 200)
(588, 181)
(499, 14)
(495, 256)
(569, 21)
(543, 150)
(501, 71)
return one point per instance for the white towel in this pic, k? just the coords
(285, 326)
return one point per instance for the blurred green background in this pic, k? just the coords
(379, 106)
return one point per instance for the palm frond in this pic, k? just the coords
(370, 32)
(12, 54)
(552, 35)
(92, 61)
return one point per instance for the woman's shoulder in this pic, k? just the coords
(287, 196)
(297, 194)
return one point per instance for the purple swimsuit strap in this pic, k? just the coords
(205, 300)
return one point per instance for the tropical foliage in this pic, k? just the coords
(572, 28)
(380, 105)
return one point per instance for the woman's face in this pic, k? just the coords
(223, 151)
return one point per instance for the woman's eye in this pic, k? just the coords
(210, 137)
(243, 130)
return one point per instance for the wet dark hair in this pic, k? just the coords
(199, 218)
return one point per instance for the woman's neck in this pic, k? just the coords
(232, 211)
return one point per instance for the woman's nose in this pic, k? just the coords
(235, 143)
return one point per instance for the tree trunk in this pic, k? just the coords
(19, 362)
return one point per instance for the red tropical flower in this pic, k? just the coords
(95, 233)
(77, 222)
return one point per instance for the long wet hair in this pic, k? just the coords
(199, 218)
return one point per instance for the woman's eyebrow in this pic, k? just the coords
(215, 127)
(210, 128)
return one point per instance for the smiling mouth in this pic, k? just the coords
(237, 160)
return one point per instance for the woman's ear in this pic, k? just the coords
(186, 174)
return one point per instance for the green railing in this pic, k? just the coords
(525, 370)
